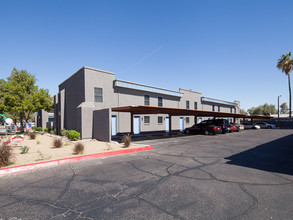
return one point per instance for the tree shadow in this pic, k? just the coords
(275, 156)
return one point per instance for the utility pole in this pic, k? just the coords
(279, 111)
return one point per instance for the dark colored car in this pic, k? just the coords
(224, 124)
(205, 127)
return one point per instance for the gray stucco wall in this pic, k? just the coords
(102, 125)
(74, 95)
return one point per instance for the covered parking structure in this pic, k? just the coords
(142, 110)
(256, 117)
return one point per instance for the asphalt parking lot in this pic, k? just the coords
(246, 175)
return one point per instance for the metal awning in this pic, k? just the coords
(147, 110)
(143, 109)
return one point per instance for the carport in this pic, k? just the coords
(257, 117)
(143, 110)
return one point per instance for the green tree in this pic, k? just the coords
(242, 111)
(284, 108)
(263, 109)
(285, 63)
(21, 96)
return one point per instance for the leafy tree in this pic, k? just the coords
(284, 108)
(21, 96)
(285, 63)
(262, 109)
(242, 111)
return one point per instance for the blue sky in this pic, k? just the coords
(224, 49)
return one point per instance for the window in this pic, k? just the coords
(160, 120)
(98, 94)
(219, 108)
(187, 120)
(234, 110)
(213, 108)
(231, 110)
(195, 105)
(160, 101)
(146, 119)
(146, 100)
(187, 104)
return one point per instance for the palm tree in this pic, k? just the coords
(285, 63)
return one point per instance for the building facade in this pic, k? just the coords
(89, 90)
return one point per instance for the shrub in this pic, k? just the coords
(73, 135)
(78, 148)
(46, 130)
(32, 135)
(5, 154)
(37, 128)
(24, 149)
(57, 142)
(126, 139)
(64, 132)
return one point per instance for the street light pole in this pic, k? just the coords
(279, 111)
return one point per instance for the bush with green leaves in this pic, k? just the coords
(64, 132)
(37, 128)
(73, 135)
(46, 130)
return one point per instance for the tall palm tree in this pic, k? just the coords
(285, 63)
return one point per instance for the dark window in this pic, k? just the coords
(213, 108)
(187, 120)
(98, 94)
(219, 108)
(195, 105)
(146, 119)
(160, 101)
(234, 110)
(231, 110)
(160, 120)
(146, 100)
(187, 104)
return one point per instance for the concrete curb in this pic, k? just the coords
(58, 162)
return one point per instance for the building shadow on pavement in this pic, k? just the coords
(275, 156)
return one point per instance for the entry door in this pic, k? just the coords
(114, 125)
(181, 123)
(136, 125)
(167, 124)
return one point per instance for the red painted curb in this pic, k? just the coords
(51, 163)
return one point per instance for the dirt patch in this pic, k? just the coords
(42, 149)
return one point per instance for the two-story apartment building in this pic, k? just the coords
(89, 90)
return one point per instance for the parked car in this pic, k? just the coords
(223, 123)
(250, 126)
(265, 125)
(239, 127)
(205, 127)
(233, 127)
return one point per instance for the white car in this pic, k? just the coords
(265, 125)
(250, 126)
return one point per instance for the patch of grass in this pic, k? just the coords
(78, 148)
(57, 142)
(38, 142)
(66, 143)
(42, 157)
(126, 140)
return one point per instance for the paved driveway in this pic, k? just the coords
(246, 175)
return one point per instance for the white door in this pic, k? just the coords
(181, 123)
(136, 125)
(114, 125)
(167, 124)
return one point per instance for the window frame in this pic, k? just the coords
(160, 123)
(145, 121)
(96, 95)
(146, 100)
(187, 104)
(160, 101)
